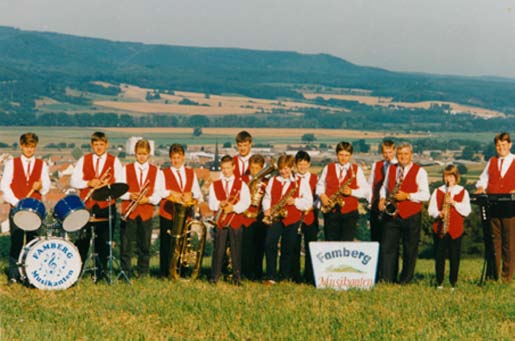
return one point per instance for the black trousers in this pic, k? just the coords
(289, 239)
(101, 238)
(135, 235)
(166, 244)
(396, 229)
(309, 234)
(253, 250)
(17, 242)
(235, 240)
(447, 247)
(340, 227)
(376, 232)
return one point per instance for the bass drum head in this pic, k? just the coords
(50, 264)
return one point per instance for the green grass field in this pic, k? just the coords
(153, 308)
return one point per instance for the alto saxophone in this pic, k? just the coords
(337, 197)
(279, 211)
(390, 205)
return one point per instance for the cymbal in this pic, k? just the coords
(112, 191)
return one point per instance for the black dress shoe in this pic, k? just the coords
(12, 281)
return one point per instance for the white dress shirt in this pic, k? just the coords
(142, 169)
(243, 161)
(422, 193)
(77, 180)
(303, 202)
(243, 203)
(484, 177)
(462, 207)
(8, 175)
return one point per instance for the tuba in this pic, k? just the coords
(257, 191)
(189, 237)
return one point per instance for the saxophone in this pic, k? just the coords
(279, 211)
(446, 209)
(390, 205)
(337, 197)
(257, 192)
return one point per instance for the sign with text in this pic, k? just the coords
(344, 265)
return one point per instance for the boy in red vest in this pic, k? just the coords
(284, 193)
(309, 225)
(254, 232)
(241, 160)
(498, 177)
(92, 171)
(449, 204)
(229, 197)
(24, 176)
(407, 185)
(180, 186)
(341, 221)
(144, 180)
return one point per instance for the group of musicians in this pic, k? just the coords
(256, 212)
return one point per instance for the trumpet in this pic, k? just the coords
(104, 179)
(135, 202)
(221, 215)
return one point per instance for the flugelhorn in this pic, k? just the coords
(104, 179)
(135, 202)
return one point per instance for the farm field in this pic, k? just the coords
(154, 308)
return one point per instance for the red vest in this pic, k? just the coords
(171, 184)
(378, 181)
(145, 211)
(498, 184)
(237, 170)
(88, 173)
(20, 185)
(455, 229)
(294, 215)
(309, 216)
(332, 185)
(232, 219)
(405, 208)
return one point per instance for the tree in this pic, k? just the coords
(227, 145)
(468, 153)
(308, 138)
(76, 153)
(197, 131)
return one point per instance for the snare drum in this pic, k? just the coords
(50, 263)
(71, 212)
(29, 214)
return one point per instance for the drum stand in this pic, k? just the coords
(112, 259)
(92, 257)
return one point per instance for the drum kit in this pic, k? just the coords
(52, 261)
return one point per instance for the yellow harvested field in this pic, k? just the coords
(133, 100)
(387, 101)
(263, 132)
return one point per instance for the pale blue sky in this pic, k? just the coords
(463, 37)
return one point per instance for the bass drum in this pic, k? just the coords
(50, 263)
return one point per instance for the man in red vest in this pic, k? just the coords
(228, 196)
(92, 171)
(180, 187)
(498, 177)
(285, 201)
(449, 205)
(24, 176)
(138, 205)
(241, 160)
(406, 186)
(340, 186)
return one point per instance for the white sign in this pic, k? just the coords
(344, 265)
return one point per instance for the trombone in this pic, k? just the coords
(135, 202)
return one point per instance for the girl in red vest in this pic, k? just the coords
(229, 197)
(23, 176)
(295, 197)
(138, 208)
(449, 204)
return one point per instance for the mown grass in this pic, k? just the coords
(153, 308)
